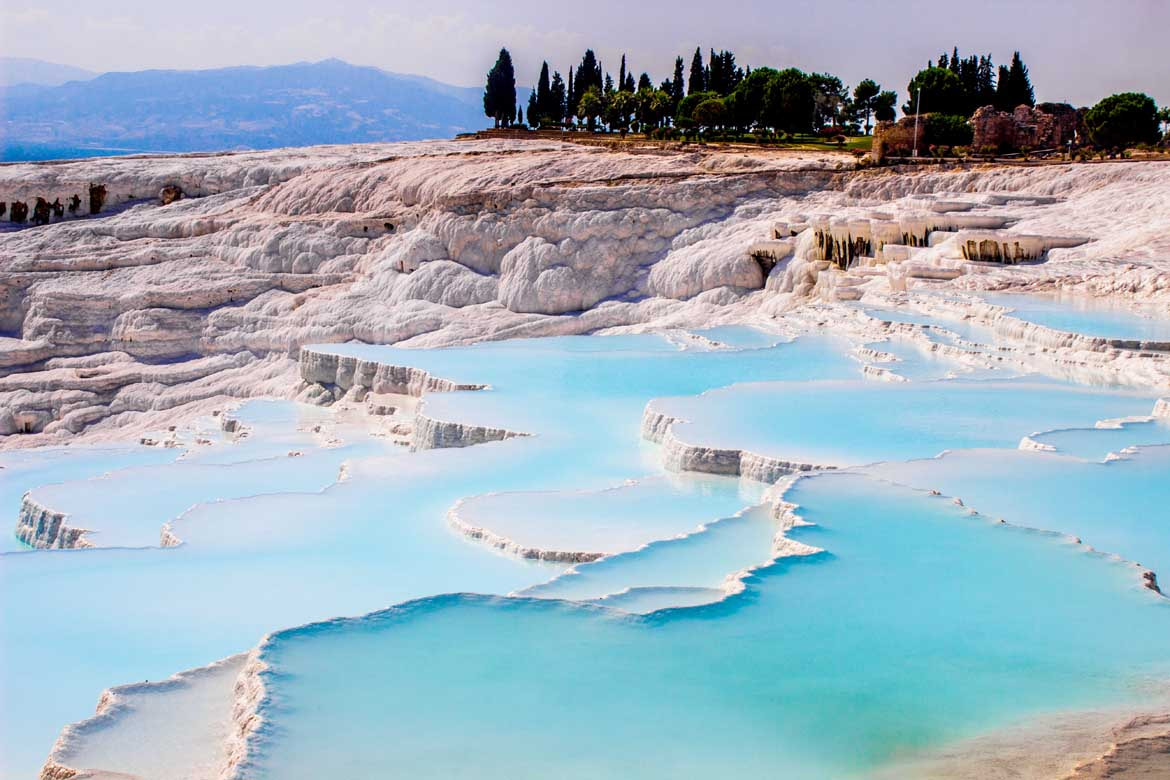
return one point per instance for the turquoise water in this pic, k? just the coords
(703, 560)
(615, 520)
(1117, 507)
(1098, 443)
(23, 470)
(942, 330)
(918, 363)
(129, 507)
(901, 637)
(851, 423)
(1087, 316)
(886, 643)
(253, 565)
(741, 336)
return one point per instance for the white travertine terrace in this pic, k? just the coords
(116, 324)
(189, 711)
(46, 528)
(678, 455)
(113, 320)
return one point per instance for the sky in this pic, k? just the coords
(1077, 50)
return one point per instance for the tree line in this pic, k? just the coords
(713, 93)
(716, 94)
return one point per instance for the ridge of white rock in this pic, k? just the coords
(139, 312)
(45, 528)
(678, 455)
(328, 377)
(492, 539)
(432, 434)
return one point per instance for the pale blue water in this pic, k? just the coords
(826, 666)
(1117, 507)
(254, 565)
(741, 337)
(129, 507)
(905, 635)
(851, 423)
(918, 363)
(22, 470)
(699, 560)
(942, 330)
(1087, 316)
(1097, 443)
(618, 519)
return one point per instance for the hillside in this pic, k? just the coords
(25, 70)
(232, 108)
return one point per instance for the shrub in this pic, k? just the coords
(949, 129)
(1122, 120)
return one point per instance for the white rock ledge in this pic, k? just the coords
(432, 434)
(678, 455)
(115, 704)
(501, 542)
(47, 529)
(330, 377)
(341, 374)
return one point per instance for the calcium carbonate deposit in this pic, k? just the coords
(526, 459)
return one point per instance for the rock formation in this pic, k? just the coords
(116, 320)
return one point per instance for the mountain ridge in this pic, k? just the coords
(237, 107)
(27, 70)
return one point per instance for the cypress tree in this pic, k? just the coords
(1021, 84)
(519, 116)
(1003, 85)
(545, 110)
(534, 114)
(676, 85)
(986, 82)
(499, 94)
(588, 74)
(571, 97)
(697, 82)
(715, 80)
(622, 74)
(1014, 87)
(954, 64)
(644, 82)
(558, 98)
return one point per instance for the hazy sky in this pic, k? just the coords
(1077, 50)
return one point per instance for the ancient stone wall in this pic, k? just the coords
(1047, 126)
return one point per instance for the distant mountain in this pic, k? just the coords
(230, 108)
(23, 70)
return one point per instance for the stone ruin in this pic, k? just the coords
(1047, 126)
(897, 138)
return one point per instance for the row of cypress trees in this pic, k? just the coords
(590, 93)
(953, 85)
